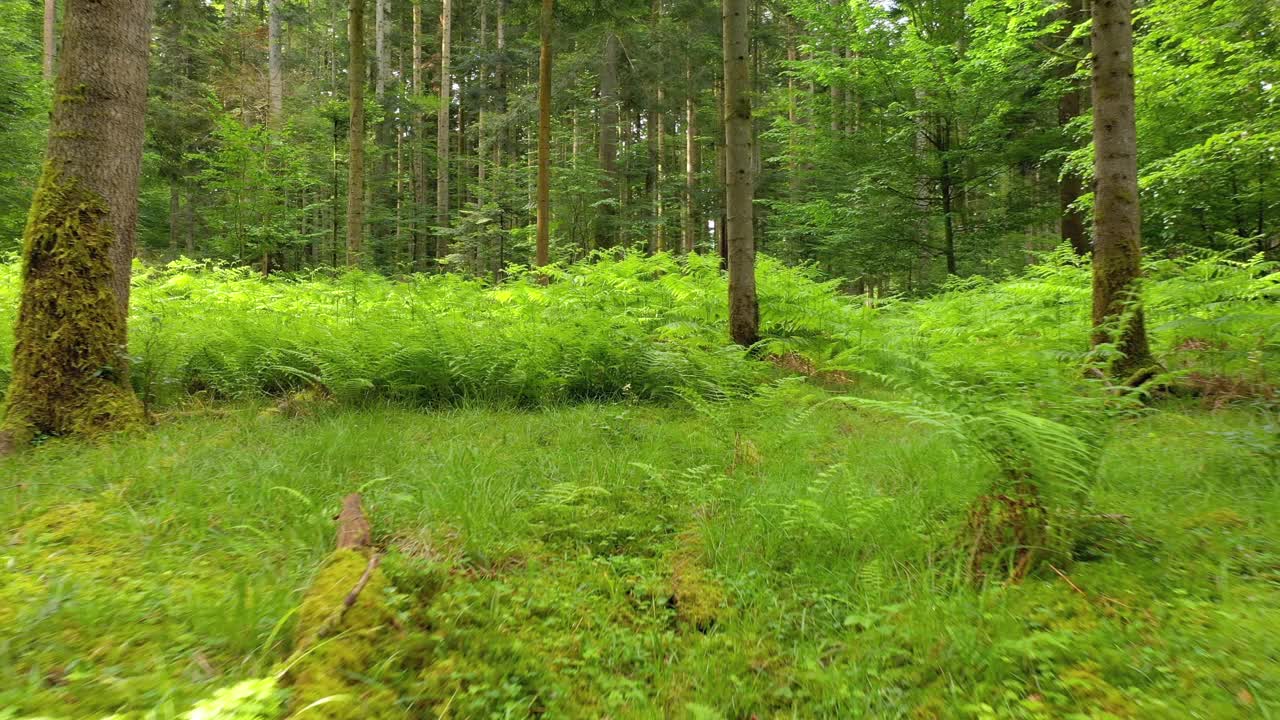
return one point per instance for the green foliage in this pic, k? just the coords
(636, 327)
(259, 181)
(534, 558)
(1027, 337)
(23, 115)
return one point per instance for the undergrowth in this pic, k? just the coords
(633, 561)
(654, 328)
(831, 533)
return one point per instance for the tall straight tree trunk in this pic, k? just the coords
(1117, 251)
(1071, 185)
(355, 135)
(692, 162)
(275, 65)
(657, 130)
(500, 146)
(606, 222)
(659, 171)
(442, 130)
(50, 38)
(382, 205)
(70, 363)
(418, 251)
(381, 49)
(722, 179)
(744, 309)
(175, 215)
(543, 251)
(793, 119)
(835, 91)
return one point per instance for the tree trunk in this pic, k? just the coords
(70, 365)
(543, 252)
(656, 130)
(1071, 185)
(722, 223)
(275, 65)
(946, 184)
(500, 146)
(382, 204)
(605, 226)
(175, 215)
(355, 135)
(382, 50)
(442, 130)
(660, 237)
(744, 309)
(793, 116)
(692, 162)
(50, 38)
(1117, 253)
(418, 251)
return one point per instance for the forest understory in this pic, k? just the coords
(399, 359)
(622, 517)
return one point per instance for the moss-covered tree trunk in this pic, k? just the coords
(70, 367)
(1117, 249)
(744, 309)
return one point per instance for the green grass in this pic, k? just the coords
(816, 557)
(594, 506)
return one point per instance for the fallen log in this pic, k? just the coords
(341, 623)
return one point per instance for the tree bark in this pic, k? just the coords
(442, 130)
(793, 148)
(656, 131)
(355, 135)
(382, 50)
(722, 224)
(606, 229)
(275, 65)
(500, 146)
(744, 309)
(692, 162)
(482, 121)
(1117, 253)
(418, 252)
(543, 251)
(70, 365)
(175, 215)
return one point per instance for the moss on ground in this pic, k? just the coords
(336, 644)
(534, 559)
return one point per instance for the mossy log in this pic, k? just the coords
(342, 622)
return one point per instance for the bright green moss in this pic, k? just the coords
(336, 648)
(70, 372)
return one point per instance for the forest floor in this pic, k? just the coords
(636, 560)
